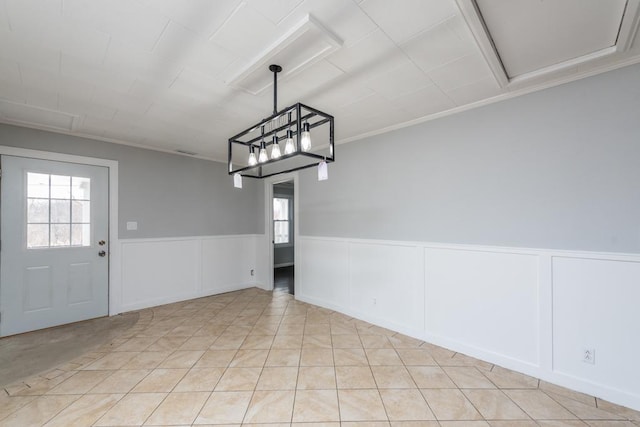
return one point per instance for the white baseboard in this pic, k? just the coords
(284, 264)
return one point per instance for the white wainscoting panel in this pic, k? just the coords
(323, 273)
(531, 310)
(385, 283)
(484, 300)
(162, 271)
(596, 305)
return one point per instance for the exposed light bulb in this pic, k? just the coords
(262, 157)
(252, 157)
(275, 150)
(289, 148)
(305, 138)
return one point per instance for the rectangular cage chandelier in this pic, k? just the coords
(294, 138)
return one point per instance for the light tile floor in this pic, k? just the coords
(259, 358)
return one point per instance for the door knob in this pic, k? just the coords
(102, 253)
(102, 242)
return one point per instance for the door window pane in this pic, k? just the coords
(80, 211)
(37, 235)
(53, 218)
(280, 209)
(38, 210)
(37, 185)
(281, 223)
(281, 232)
(80, 188)
(60, 211)
(60, 235)
(60, 187)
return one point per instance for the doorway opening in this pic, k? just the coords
(283, 227)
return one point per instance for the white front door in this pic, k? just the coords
(54, 253)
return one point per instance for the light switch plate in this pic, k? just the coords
(132, 225)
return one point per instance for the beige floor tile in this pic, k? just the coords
(314, 328)
(450, 404)
(85, 411)
(136, 344)
(354, 377)
(257, 342)
(375, 341)
(342, 329)
(273, 406)
(610, 424)
(562, 391)
(224, 408)
(416, 357)
(408, 405)
(249, 359)
(316, 378)
(239, 379)
(468, 377)
(361, 405)
(168, 343)
(38, 411)
(464, 424)
(111, 361)
(121, 381)
(198, 343)
(146, 360)
(200, 379)
(183, 331)
(81, 382)
(278, 378)
(350, 357)
(160, 381)
(132, 409)
(178, 408)
(181, 359)
(392, 377)
(430, 377)
(495, 405)
(561, 423)
(315, 425)
(316, 357)
(316, 406)
(346, 341)
(10, 404)
(582, 411)
(283, 357)
(293, 342)
(628, 413)
(415, 424)
(538, 405)
(513, 423)
(383, 356)
(505, 378)
(227, 342)
(403, 341)
(291, 329)
(316, 341)
(215, 359)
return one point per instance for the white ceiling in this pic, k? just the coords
(185, 74)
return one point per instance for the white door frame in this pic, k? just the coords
(115, 282)
(268, 224)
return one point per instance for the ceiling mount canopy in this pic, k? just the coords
(257, 153)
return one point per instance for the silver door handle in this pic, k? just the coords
(102, 253)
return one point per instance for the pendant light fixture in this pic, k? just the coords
(295, 125)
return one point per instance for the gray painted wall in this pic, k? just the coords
(168, 195)
(555, 169)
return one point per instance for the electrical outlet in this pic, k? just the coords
(589, 355)
(253, 272)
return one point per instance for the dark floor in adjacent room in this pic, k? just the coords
(283, 279)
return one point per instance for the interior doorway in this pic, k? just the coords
(283, 214)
